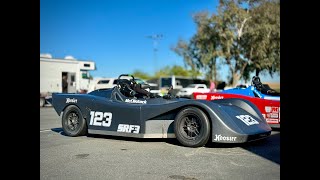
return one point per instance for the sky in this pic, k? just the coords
(114, 33)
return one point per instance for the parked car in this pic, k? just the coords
(265, 98)
(102, 83)
(188, 91)
(45, 99)
(124, 111)
(153, 87)
(108, 83)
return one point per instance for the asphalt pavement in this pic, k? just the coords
(106, 157)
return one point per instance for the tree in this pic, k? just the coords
(179, 71)
(263, 37)
(167, 71)
(231, 23)
(207, 42)
(200, 52)
(141, 74)
(163, 72)
(188, 52)
(176, 71)
(244, 34)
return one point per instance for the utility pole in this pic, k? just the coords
(155, 38)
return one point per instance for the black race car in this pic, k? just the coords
(129, 110)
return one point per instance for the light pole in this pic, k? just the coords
(155, 38)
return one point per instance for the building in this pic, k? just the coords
(52, 71)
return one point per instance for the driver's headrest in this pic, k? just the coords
(256, 78)
(125, 81)
(126, 87)
(256, 82)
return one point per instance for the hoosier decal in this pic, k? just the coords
(219, 137)
(216, 97)
(73, 100)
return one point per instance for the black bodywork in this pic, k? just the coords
(154, 117)
(129, 110)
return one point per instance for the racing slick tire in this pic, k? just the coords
(73, 123)
(192, 127)
(42, 102)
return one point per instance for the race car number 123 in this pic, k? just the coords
(100, 118)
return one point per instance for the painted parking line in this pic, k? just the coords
(45, 130)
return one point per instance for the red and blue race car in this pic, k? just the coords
(266, 99)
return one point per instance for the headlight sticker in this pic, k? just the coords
(247, 119)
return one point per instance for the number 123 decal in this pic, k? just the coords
(98, 118)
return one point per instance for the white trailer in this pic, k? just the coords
(53, 69)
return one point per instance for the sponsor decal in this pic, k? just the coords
(73, 100)
(272, 121)
(247, 119)
(272, 115)
(201, 97)
(273, 109)
(128, 128)
(213, 97)
(98, 118)
(267, 108)
(136, 101)
(219, 137)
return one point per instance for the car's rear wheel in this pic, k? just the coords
(192, 127)
(73, 123)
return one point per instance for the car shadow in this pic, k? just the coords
(58, 130)
(126, 138)
(268, 148)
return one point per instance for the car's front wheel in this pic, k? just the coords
(73, 123)
(42, 102)
(192, 127)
